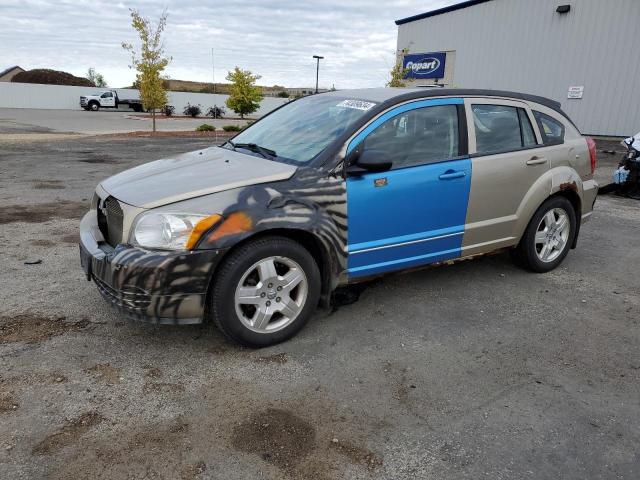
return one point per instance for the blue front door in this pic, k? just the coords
(415, 213)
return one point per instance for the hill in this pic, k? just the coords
(51, 77)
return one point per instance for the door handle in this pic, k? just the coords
(535, 160)
(450, 175)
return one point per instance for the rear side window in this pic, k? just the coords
(416, 137)
(500, 128)
(551, 129)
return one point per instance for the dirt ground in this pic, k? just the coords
(477, 370)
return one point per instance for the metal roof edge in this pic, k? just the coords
(440, 11)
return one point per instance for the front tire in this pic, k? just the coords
(265, 292)
(94, 106)
(548, 237)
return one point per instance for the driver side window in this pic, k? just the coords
(417, 137)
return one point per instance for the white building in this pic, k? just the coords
(582, 53)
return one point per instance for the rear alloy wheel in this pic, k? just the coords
(552, 235)
(547, 239)
(265, 291)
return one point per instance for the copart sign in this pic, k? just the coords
(424, 65)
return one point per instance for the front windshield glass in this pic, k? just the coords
(301, 130)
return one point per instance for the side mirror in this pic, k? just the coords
(369, 161)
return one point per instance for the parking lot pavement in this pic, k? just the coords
(26, 120)
(477, 370)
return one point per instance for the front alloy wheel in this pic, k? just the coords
(265, 291)
(271, 294)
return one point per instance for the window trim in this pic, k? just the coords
(543, 135)
(470, 101)
(535, 137)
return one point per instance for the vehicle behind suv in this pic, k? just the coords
(108, 99)
(332, 189)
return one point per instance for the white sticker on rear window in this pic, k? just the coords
(357, 104)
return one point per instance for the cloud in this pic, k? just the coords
(275, 39)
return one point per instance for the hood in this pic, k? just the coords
(191, 175)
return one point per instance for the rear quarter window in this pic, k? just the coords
(552, 130)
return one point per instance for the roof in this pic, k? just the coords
(7, 70)
(395, 95)
(373, 94)
(440, 11)
(384, 94)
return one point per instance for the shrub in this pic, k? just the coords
(205, 127)
(168, 110)
(216, 112)
(283, 94)
(231, 128)
(192, 110)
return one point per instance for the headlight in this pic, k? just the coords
(175, 231)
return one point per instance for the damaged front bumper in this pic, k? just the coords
(166, 287)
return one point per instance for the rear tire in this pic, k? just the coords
(548, 237)
(265, 292)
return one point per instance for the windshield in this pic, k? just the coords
(301, 130)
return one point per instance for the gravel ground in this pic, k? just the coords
(477, 370)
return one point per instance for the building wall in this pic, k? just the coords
(10, 74)
(60, 97)
(524, 45)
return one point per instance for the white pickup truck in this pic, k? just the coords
(108, 99)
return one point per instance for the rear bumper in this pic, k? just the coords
(589, 195)
(163, 287)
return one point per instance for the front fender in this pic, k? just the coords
(316, 207)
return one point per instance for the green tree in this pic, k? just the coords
(149, 61)
(95, 77)
(244, 96)
(397, 72)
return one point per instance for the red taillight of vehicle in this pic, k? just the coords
(592, 153)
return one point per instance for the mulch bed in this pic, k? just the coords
(145, 133)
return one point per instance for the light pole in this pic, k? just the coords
(213, 72)
(318, 58)
(213, 79)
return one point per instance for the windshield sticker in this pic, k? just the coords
(357, 104)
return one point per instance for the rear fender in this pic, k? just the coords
(555, 181)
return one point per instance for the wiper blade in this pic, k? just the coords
(265, 152)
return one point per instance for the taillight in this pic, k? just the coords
(592, 153)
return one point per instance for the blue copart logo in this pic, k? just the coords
(424, 66)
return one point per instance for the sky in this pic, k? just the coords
(273, 38)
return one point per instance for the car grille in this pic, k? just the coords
(132, 298)
(110, 221)
(83, 101)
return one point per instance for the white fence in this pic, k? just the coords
(61, 97)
